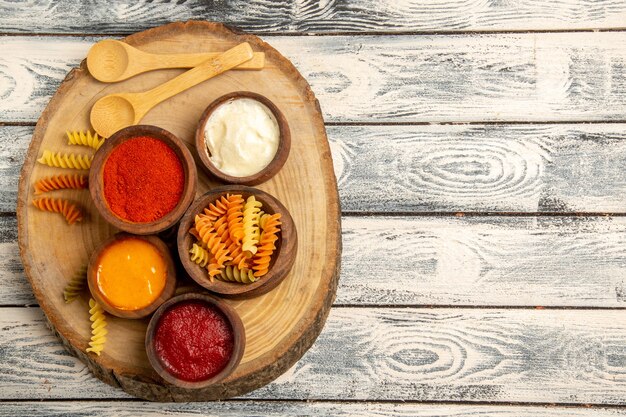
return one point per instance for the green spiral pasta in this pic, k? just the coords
(233, 274)
(76, 285)
(199, 255)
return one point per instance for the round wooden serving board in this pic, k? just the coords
(281, 325)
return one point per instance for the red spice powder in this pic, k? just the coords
(143, 180)
(194, 341)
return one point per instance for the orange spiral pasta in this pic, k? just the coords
(213, 243)
(235, 217)
(59, 182)
(59, 205)
(214, 211)
(270, 226)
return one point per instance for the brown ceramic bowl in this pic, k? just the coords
(284, 144)
(96, 183)
(238, 333)
(282, 259)
(170, 279)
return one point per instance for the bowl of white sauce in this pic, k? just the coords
(243, 138)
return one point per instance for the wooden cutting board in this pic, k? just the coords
(281, 325)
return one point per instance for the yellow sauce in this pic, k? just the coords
(131, 273)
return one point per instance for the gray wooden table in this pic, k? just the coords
(480, 149)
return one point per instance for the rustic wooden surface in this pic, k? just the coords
(515, 308)
(280, 325)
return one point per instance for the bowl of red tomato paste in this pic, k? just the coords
(143, 179)
(195, 340)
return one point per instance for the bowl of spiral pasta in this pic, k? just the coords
(237, 241)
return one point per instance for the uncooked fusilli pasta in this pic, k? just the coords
(59, 205)
(76, 285)
(65, 160)
(230, 256)
(58, 182)
(84, 139)
(234, 274)
(199, 255)
(98, 327)
(269, 229)
(251, 233)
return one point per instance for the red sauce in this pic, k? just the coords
(194, 341)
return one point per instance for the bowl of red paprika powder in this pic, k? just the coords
(194, 340)
(143, 179)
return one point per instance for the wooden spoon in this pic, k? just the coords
(110, 61)
(116, 111)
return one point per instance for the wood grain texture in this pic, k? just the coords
(545, 356)
(471, 261)
(280, 409)
(434, 78)
(278, 333)
(497, 168)
(310, 16)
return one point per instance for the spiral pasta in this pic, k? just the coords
(65, 160)
(69, 210)
(213, 243)
(235, 217)
(217, 209)
(242, 256)
(58, 182)
(199, 255)
(98, 327)
(233, 274)
(76, 285)
(270, 226)
(251, 232)
(84, 139)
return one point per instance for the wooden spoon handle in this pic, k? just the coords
(143, 102)
(151, 62)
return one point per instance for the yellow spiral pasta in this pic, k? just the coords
(213, 243)
(59, 205)
(76, 285)
(59, 182)
(234, 274)
(251, 233)
(65, 160)
(270, 226)
(199, 255)
(84, 139)
(98, 327)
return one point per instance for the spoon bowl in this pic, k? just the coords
(108, 61)
(112, 113)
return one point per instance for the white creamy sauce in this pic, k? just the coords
(242, 137)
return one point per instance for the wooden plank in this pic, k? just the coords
(313, 17)
(428, 168)
(527, 355)
(481, 168)
(435, 78)
(289, 408)
(470, 261)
